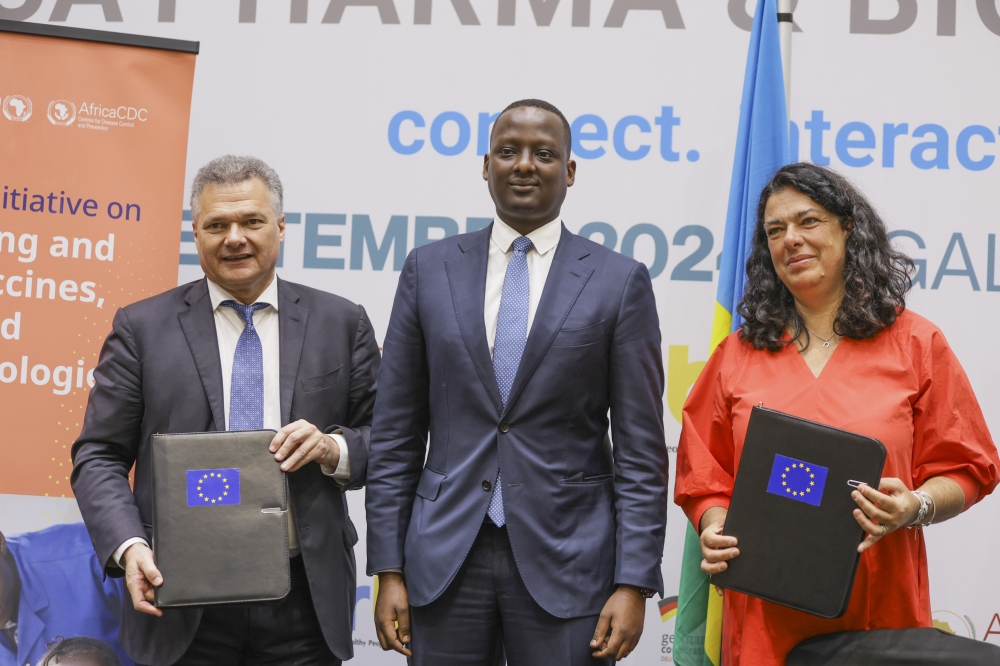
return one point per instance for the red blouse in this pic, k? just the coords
(906, 388)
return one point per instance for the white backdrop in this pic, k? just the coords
(901, 96)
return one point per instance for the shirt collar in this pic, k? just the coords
(544, 238)
(218, 294)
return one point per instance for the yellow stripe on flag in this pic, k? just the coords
(713, 626)
(722, 326)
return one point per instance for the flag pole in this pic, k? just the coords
(785, 31)
(761, 149)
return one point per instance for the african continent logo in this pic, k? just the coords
(954, 624)
(17, 108)
(62, 112)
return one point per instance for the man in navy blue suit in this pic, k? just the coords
(52, 587)
(518, 529)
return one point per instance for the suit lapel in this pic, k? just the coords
(292, 321)
(198, 324)
(567, 278)
(467, 280)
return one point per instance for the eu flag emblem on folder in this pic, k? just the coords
(213, 487)
(797, 480)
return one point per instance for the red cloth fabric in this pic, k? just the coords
(904, 387)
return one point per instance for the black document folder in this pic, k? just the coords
(792, 512)
(220, 520)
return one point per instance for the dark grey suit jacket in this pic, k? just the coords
(581, 517)
(159, 372)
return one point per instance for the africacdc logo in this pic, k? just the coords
(62, 112)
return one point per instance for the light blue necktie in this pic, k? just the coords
(508, 346)
(246, 394)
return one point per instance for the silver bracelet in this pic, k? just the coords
(926, 503)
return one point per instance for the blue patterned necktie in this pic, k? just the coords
(508, 346)
(246, 394)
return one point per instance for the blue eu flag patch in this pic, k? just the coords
(213, 487)
(797, 480)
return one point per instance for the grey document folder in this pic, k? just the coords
(220, 519)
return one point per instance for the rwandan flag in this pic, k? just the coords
(761, 149)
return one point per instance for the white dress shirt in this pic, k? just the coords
(229, 327)
(545, 239)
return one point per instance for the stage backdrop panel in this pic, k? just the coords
(93, 151)
(376, 113)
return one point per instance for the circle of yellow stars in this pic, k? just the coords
(795, 493)
(225, 492)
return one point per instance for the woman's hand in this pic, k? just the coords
(884, 510)
(716, 549)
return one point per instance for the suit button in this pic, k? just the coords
(487, 486)
(504, 427)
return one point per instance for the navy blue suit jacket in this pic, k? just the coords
(582, 517)
(63, 593)
(160, 372)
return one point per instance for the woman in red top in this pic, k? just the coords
(826, 337)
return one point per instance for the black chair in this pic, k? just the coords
(893, 647)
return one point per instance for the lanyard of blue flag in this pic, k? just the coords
(761, 149)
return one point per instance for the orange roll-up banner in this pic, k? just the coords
(93, 143)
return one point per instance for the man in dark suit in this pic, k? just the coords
(523, 532)
(238, 350)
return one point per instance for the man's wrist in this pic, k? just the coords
(118, 557)
(644, 592)
(389, 574)
(132, 549)
(333, 458)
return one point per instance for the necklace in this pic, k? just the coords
(826, 341)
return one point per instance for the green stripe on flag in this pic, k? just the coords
(692, 606)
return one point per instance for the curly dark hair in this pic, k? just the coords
(876, 277)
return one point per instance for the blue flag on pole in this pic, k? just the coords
(761, 149)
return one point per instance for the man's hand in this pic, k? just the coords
(301, 442)
(392, 613)
(623, 615)
(141, 576)
(716, 549)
